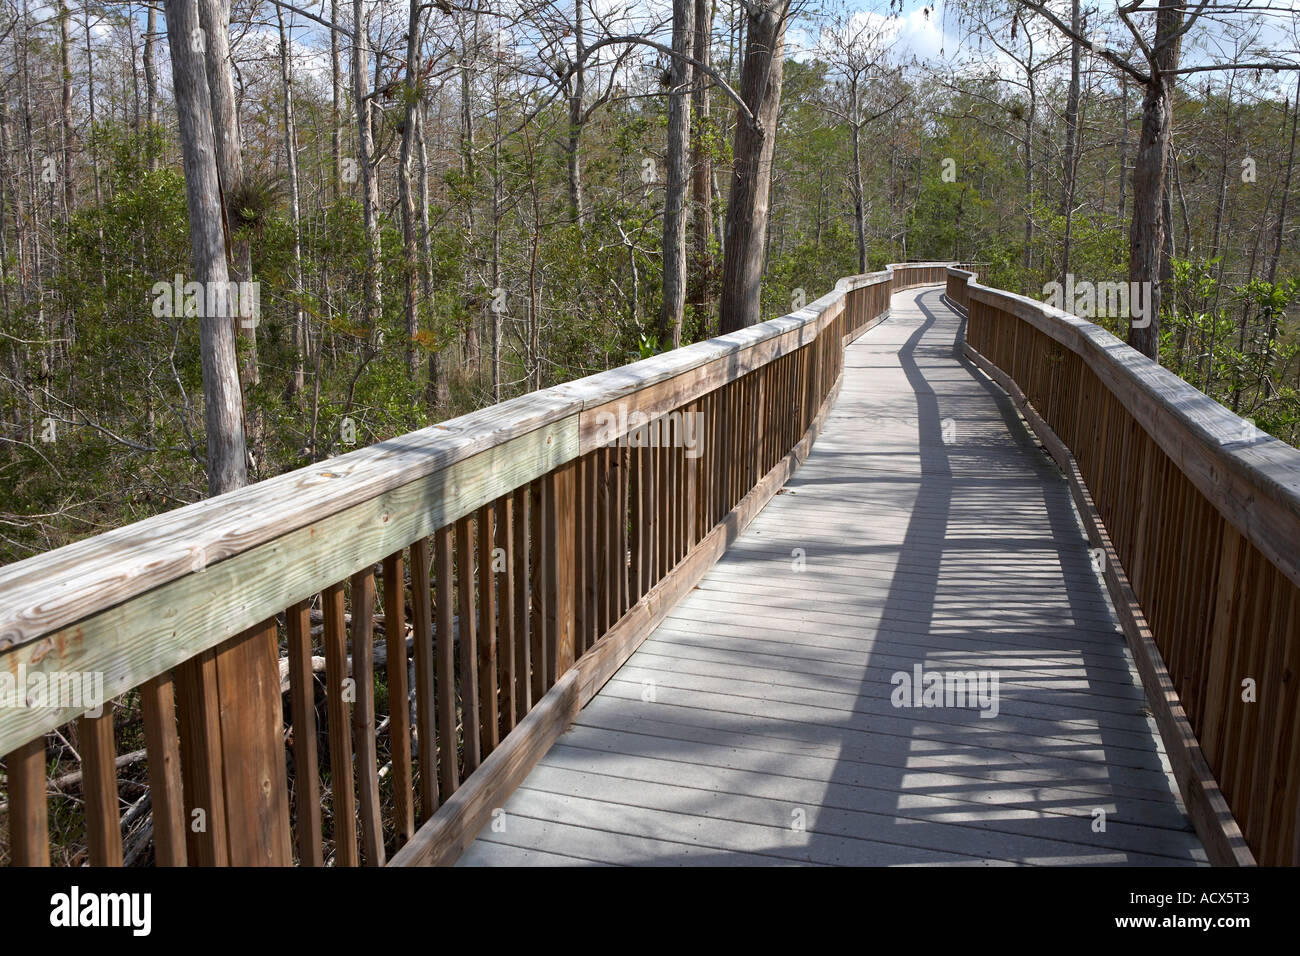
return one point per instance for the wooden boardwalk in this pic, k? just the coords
(755, 726)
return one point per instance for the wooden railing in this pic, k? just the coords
(512, 559)
(1197, 516)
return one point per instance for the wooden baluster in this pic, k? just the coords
(99, 786)
(425, 697)
(469, 703)
(636, 525)
(1284, 800)
(507, 662)
(29, 836)
(302, 703)
(490, 721)
(232, 752)
(363, 713)
(200, 739)
(1249, 664)
(344, 807)
(596, 530)
(624, 544)
(1266, 725)
(158, 708)
(448, 773)
(563, 501)
(584, 606)
(523, 612)
(399, 699)
(663, 509)
(537, 564)
(606, 540)
(252, 735)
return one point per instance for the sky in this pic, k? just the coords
(918, 31)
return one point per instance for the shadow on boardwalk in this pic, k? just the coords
(755, 727)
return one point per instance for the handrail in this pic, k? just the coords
(1197, 515)
(496, 530)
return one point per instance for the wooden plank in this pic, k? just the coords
(343, 807)
(448, 772)
(425, 697)
(399, 703)
(99, 785)
(158, 709)
(29, 836)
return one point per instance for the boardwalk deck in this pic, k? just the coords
(755, 726)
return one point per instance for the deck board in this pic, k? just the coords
(755, 726)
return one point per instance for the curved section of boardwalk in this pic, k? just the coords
(758, 725)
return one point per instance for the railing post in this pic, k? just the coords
(232, 746)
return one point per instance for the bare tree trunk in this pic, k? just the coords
(5, 166)
(760, 89)
(295, 214)
(436, 387)
(223, 410)
(35, 263)
(336, 102)
(1147, 230)
(151, 76)
(1276, 254)
(1031, 119)
(1123, 150)
(701, 271)
(859, 189)
(498, 196)
(678, 173)
(1071, 138)
(65, 64)
(214, 17)
(579, 94)
(365, 161)
(410, 245)
(471, 356)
